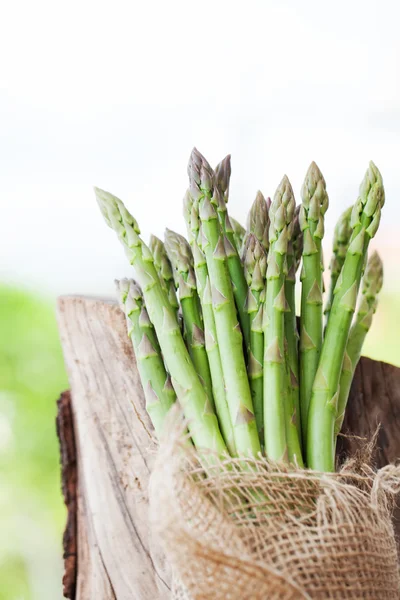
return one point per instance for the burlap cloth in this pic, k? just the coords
(248, 529)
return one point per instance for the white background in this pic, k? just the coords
(115, 94)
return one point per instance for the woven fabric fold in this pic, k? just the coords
(246, 528)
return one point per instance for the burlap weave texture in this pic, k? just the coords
(244, 529)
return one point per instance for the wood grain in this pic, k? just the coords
(115, 444)
(374, 401)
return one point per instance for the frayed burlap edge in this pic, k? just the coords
(247, 528)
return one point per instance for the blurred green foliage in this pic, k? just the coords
(32, 512)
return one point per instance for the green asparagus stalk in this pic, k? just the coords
(311, 219)
(371, 286)
(210, 332)
(229, 335)
(188, 206)
(202, 422)
(255, 250)
(255, 267)
(164, 269)
(294, 251)
(158, 391)
(181, 258)
(297, 239)
(281, 439)
(341, 239)
(239, 233)
(234, 234)
(234, 263)
(324, 399)
(258, 221)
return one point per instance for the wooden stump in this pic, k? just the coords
(109, 553)
(114, 447)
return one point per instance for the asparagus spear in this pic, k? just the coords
(223, 176)
(341, 239)
(324, 399)
(188, 207)
(164, 269)
(239, 233)
(181, 258)
(311, 219)
(371, 286)
(202, 422)
(255, 266)
(281, 439)
(229, 335)
(158, 391)
(234, 263)
(297, 239)
(294, 251)
(258, 221)
(210, 332)
(255, 250)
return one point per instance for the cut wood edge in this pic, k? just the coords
(69, 480)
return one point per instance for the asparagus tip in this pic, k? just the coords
(103, 197)
(200, 173)
(223, 174)
(259, 195)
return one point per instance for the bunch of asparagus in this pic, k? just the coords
(212, 318)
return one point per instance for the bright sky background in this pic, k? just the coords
(115, 94)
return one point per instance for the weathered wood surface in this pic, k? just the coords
(114, 447)
(374, 401)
